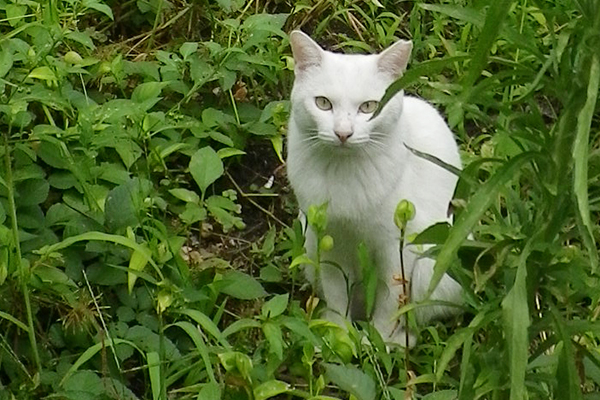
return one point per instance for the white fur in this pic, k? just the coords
(363, 179)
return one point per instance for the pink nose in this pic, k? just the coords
(343, 136)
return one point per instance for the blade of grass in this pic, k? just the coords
(515, 315)
(580, 159)
(196, 337)
(493, 21)
(478, 204)
(567, 376)
(412, 75)
(15, 321)
(22, 265)
(207, 324)
(153, 362)
(91, 352)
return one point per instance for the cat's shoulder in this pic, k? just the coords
(416, 106)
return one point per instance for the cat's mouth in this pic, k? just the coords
(346, 143)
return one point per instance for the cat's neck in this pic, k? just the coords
(353, 180)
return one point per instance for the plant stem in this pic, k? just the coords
(405, 291)
(23, 273)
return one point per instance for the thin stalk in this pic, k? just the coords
(405, 290)
(23, 273)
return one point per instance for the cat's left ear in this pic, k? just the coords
(305, 50)
(394, 59)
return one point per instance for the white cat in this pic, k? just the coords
(362, 169)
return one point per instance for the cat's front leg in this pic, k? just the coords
(331, 284)
(390, 298)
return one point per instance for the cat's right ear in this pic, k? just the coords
(306, 51)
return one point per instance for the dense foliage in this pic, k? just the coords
(147, 231)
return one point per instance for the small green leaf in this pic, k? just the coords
(241, 286)
(95, 5)
(148, 92)
(188, 48)
(270, 389)
(275, 306)
(301, 260)
(206, 167)
(210, 391)
(186, 195)
(43, 73)
(274, 336)
(352, 380)
(230, 152)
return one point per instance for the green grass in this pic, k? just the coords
(142, 257)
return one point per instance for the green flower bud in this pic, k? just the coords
(326, 243)
(405, 211)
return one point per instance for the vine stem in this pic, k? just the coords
(23, 273)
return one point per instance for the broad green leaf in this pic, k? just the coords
(43, 73)
(193, 213)
(148, 93)
(206, 167)
(186, 195)
(32, 192)
(234, 361)
(210, 391)
(275, 306)
(6, 61)
(81, 37)
(85, 383)
(241, 286)
(96, 5)
(441, 395)
(270, 389)
(153, 362)
(274, 336)
(352, 380)
(434, 234)
(188, 48)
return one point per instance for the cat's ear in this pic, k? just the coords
(394, 59)
(305, 50)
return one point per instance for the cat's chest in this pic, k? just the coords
(351, 186)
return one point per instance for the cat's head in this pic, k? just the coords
(335, 95)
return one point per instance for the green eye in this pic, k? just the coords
(368, 107)
(323, 103)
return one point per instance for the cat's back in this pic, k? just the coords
(426, 130)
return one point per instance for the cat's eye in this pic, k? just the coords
(368, 107)
(323, 103)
